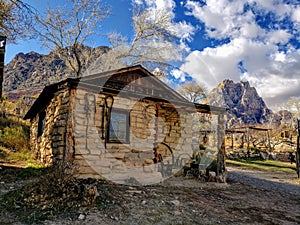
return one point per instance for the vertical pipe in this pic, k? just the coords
(2, 53)
(155, 144)
(269, 141)
(232, 140)
(219, 159)
(243, 141)
(248, 139)
(221, 146)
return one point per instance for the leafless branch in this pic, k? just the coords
(16, 19)
(67, 30)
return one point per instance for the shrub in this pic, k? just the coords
(15, 138)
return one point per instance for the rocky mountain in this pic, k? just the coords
(244, 104)
(29, 73)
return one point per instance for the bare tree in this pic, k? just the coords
(66, 29)
(153, 43)
(154, 39)
(194, 92)
(293, 105)
(16, 19)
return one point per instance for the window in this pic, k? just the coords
(119, 126)
(41, 124)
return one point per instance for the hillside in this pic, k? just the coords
(244, 104)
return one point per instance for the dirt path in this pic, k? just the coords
(249, 197)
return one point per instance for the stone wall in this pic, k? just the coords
(50, 144)
(151, 124)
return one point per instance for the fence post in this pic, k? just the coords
(298, 150)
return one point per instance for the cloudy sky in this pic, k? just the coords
(255, 41)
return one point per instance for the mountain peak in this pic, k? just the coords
(244, 104)
(226, 82)
(245, 83)
(25, 56)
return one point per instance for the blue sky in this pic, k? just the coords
(249, 40)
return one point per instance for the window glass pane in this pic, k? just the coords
(41, 124)
(118, 130)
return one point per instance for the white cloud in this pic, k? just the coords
(296, 14)
(165, 4)
(184, 30)
(212, 65)
(274, 89)
(178, 74)
(280, 57)
(230, 19)
(138, 2)
(209, 68)
(279, 36)
(222, 18)
(251, 30)
(157, 4)
(279, 7)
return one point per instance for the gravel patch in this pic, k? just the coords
(276, 181)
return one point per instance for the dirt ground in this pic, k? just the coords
(249, 197)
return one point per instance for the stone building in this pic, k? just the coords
(124, 125)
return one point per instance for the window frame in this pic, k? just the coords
(126, 116)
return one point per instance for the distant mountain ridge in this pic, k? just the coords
(29, 73)
(244, 104)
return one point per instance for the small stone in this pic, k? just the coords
(212, 174)
(144, 202)
(177, 213)
(176, 202)
(114, 218)
(81, 217)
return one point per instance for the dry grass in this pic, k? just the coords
(265, 165)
